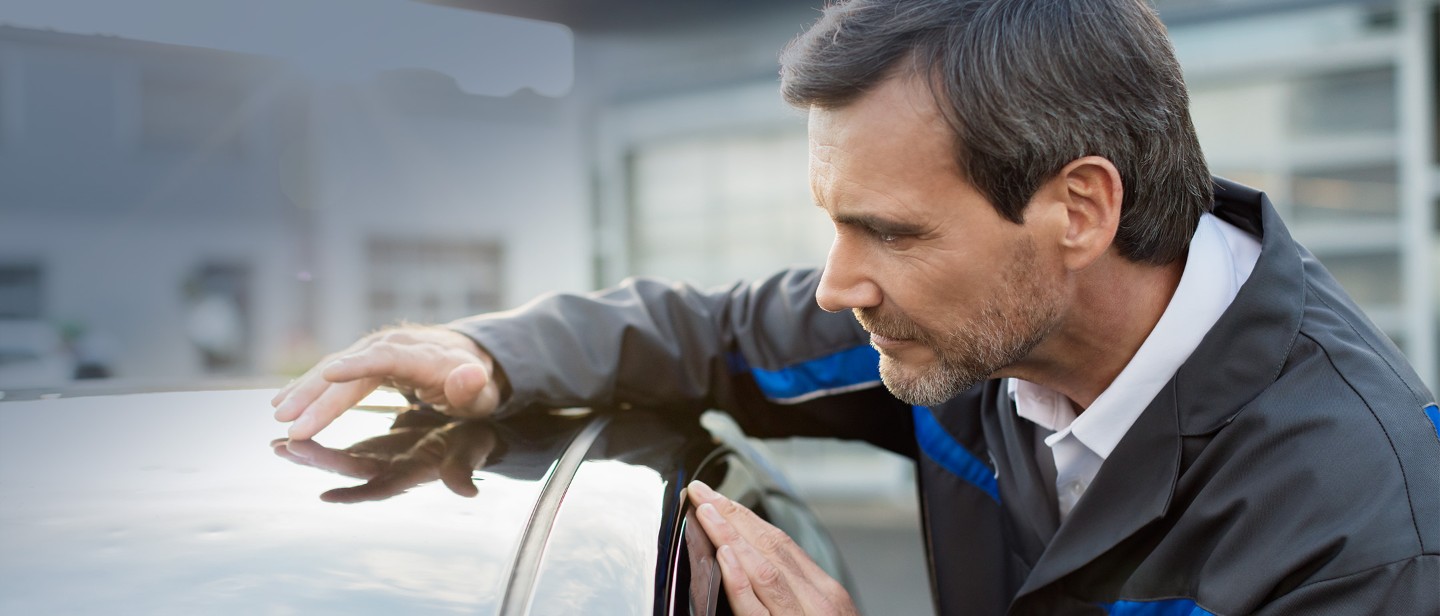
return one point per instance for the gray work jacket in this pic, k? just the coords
(1291, 466)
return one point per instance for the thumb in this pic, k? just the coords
(470, 391)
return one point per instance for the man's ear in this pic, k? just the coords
(1085, 196)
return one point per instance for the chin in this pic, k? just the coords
(928, 385)
(921, 386)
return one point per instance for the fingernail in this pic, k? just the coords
(702, 490)
(727, 557)
(282, 409)
(711, 513)
(297, 430)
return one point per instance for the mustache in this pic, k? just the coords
(897, 327)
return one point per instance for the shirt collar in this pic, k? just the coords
(1219, 259)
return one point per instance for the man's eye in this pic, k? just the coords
(886, 237)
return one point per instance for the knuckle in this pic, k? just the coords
(724, 533)
(742, 585)
(385, 347)
(392, 335)
(833, 590)
(767, 575)
(726, 506)
(773, 540)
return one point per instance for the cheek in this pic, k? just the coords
(930, 293)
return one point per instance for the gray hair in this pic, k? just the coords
(1028, 86)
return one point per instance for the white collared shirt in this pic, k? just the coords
(1220, 259)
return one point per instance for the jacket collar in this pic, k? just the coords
(1260, 326)
(1137, 481)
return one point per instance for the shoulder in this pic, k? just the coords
(1335, 463)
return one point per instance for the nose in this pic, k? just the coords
(845, 284)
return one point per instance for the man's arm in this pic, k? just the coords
(1410, 586)
(651, 342)
(645, 342)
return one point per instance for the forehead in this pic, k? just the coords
(892, 139)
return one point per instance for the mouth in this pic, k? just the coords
(886, 333)
(884, 342)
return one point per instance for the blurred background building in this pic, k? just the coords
(194, 195)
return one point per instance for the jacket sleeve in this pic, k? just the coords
(764, 351)
(1410, 586)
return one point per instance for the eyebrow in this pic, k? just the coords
(877, 223)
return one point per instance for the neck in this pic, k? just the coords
(1114, 305)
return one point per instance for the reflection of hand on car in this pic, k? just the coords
(440, 366)
(763, 570)
(407, 456)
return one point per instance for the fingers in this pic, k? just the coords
(299, 396)
(757, 532)
(469, 388)
(424, 364)
(378, 360)
(737, 584)
(750, 573)
(760, 561)
(314, 372)
(296, 399)
(284, 392)
(440, 366)
(309, 376)
(336, 399)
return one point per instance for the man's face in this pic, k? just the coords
(951, 292)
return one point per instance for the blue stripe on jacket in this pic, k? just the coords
(950, 454)
(848, 370)
(857, 368)
(1164, 607)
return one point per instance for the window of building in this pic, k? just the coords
(716, 208)
(217, 315)
(21, 291)
(1323, 144)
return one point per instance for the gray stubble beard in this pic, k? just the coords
(1007, 329)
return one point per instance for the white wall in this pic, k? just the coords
(510, 170)
(123, 279)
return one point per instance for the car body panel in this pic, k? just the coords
(169, 503)
(178, 503)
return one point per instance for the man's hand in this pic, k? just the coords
(441, 367)
(763, 570)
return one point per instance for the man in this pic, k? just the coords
(1126, 388)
